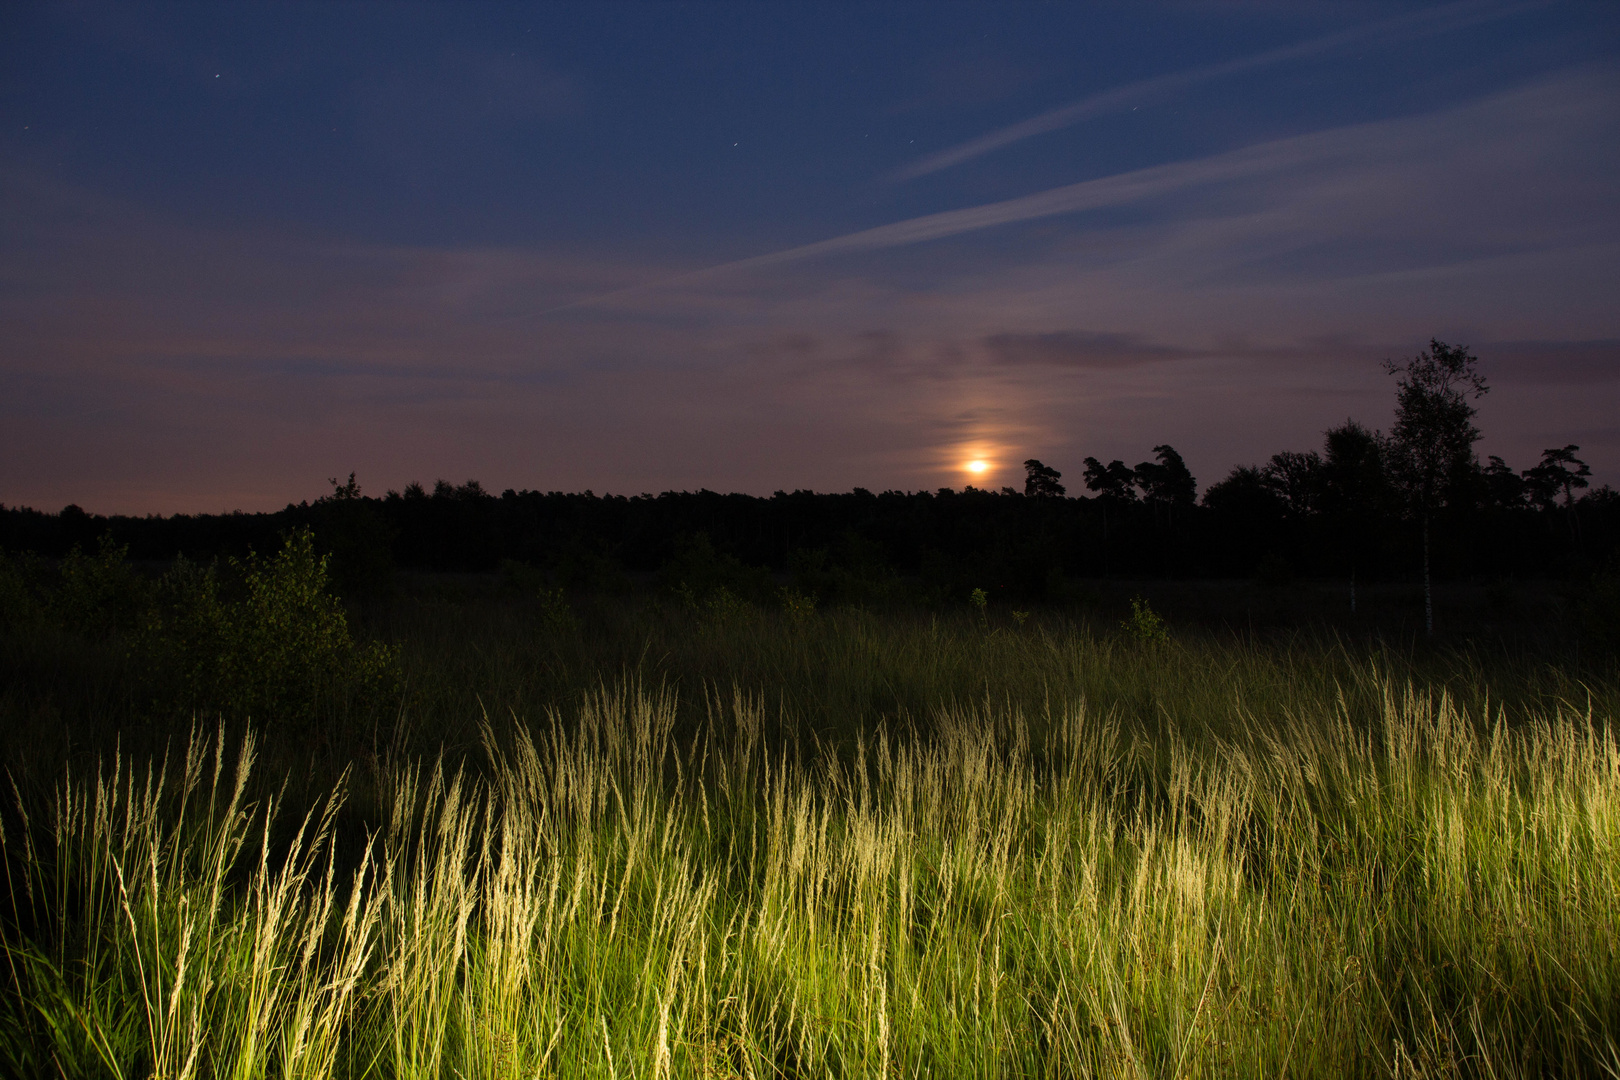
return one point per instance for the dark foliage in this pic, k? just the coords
(1365, 506)
(1335, 515)
(1041, 479)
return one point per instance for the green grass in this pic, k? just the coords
(644, 843)
(848, 668)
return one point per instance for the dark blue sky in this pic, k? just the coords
(635, 247)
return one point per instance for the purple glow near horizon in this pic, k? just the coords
(742, 250)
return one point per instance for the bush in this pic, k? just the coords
(1145, 625)
(272, 655)
(718, 605)
(800, 607)
(533, 584)
(715, 585)
(100, 595)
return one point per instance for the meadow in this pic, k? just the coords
(508, 832)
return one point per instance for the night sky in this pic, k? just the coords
(749, 247)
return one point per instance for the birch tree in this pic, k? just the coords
(1432, 445)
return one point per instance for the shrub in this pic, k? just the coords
(1145, 625)
(713, 580)
(718, 605)
(800, 607)
(101, 594)
(186, 635)
(534, 584)
(274, 654)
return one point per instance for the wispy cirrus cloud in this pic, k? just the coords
(1146, 91)
(1467, 182)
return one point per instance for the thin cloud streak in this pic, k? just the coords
(1098, 194)
(1348, 146)
(1416, 24)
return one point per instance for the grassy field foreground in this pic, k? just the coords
(1415, 888)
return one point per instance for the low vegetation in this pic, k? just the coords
(704, 839)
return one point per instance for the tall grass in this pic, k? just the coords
(154, 932)
(844, 669)
(1410, 887)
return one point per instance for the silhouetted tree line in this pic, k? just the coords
(1361, 505)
